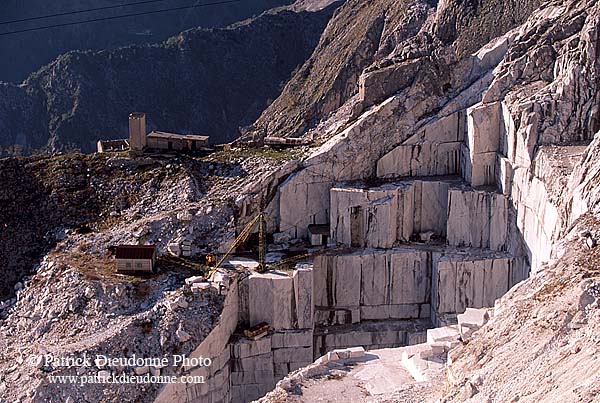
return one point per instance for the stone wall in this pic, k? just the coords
(370, 335)
(409, 283)
(243, 369)
(372, 285)
(216, 347)
(257, 365)
(433, 151)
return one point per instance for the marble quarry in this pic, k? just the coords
(450, 225)
(457, 216)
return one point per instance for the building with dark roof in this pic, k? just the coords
(135, 258)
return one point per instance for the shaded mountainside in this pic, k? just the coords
(473, 23)
(30, 50)
(330, 76)
(41, 197)
(202, 81)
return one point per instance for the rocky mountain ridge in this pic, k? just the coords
(30, 50)
(396, 39)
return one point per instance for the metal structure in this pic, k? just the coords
(243, 236)
(262, 246)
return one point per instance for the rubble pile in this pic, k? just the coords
(64, 313)
(546, 330)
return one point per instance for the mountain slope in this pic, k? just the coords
(30, 50)
(202, 81)
(379, 35)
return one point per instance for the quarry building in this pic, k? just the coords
(140, 140)
(135, 258)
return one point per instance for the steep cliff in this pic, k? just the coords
(398, 39)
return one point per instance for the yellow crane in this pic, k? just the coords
(262, 247)
(243, 236)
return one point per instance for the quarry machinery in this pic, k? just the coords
(262, 248)
(243, 236)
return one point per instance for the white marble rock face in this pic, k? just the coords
(433, 151)
(391, 284)
(304, 200)
(379, 217)
(303, 294)
(422, 159)
(478, 219)
(461, 283)
(270, 300)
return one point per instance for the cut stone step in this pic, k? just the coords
(419, 368)
(440, 334)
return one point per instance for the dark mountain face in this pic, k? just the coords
(204, 81)
(28, 51)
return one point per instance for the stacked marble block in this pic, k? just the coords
(386, 215)
(478, 219)
(372, 285)
(479, 152)
(217, 387)
(382, 216)
(466, 143)
(408, 283)
(286, 304)
(257, 365)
